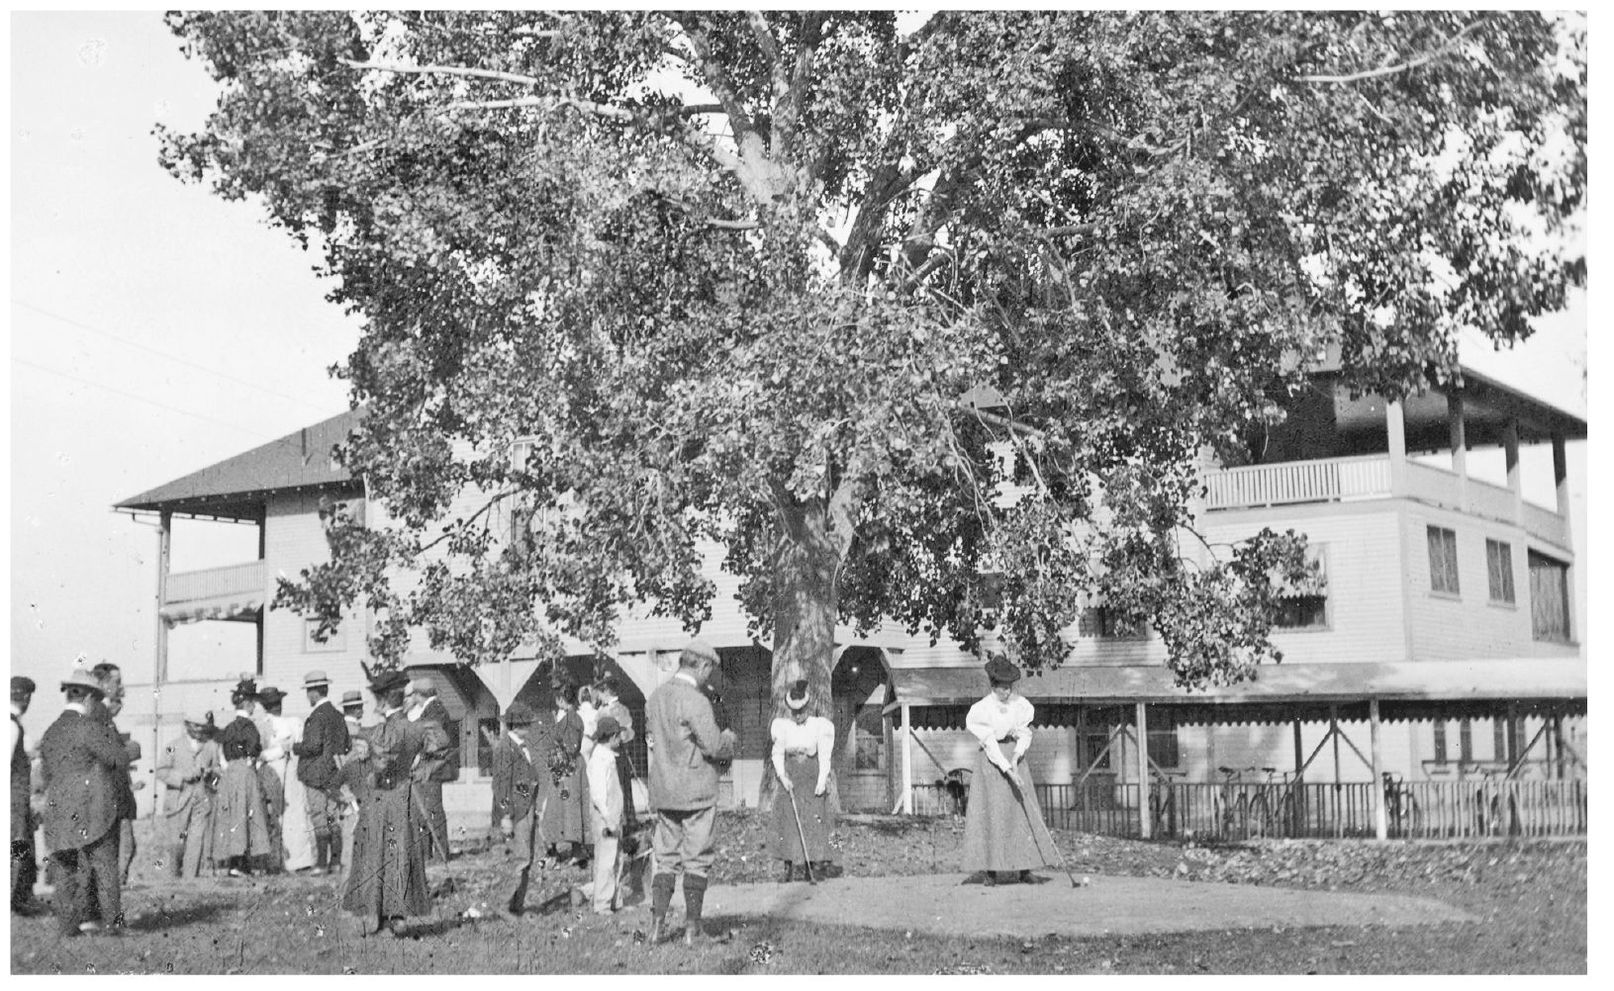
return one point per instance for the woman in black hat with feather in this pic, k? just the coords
(1003, 829)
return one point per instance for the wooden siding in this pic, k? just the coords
(1446, 627)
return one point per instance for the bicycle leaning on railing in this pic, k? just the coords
(1402, 810)
(1269, 810)
(1163, 802)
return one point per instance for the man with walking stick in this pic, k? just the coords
(683, 786)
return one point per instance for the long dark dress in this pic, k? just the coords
(240, 815)
(564, 803)
(387, 876)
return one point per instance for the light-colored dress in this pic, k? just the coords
(296, 833)
(1003, 827)
(803, 752)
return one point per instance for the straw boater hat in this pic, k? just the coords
(83, 678)
(1001, 670)
(606, 728)
(316, 679)
(352, 699)
(796, 698)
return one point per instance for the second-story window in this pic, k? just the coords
(336, 643)
(1103, 621)
(1549, 598)
(1305, 606)
(1443, 560)
(1499, 562)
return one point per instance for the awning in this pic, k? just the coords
(1529, 679)
(244, 608)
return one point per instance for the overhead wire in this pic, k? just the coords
(139, 399)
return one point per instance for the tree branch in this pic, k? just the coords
(445, 70)
(1390, 70)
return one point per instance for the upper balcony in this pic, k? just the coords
(233, 592)
(1339, 447)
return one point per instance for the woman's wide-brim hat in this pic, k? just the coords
(1001, 670)
(388, 681)
(796, 698)
(83, 678)
(270, 696)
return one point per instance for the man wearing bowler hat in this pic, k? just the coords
(325, 738)
(82, 761)
(517, 766)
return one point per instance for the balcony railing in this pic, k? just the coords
(231, 581)
(1323, 480)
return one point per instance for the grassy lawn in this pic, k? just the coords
(1530, 900)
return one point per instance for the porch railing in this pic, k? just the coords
(231, 580)
(1322, 480)
(1469, 809)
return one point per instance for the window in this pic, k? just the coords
(1305, 607)
(868, 740)
(1465, 742)
(1103, 621)
(1440, 742)
(1549, 598)
(1443, 560)
(1092, 743)
(1163, 747)
(1499, 563)
(336, 643)
(1507, 738)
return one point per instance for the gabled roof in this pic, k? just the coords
(235, 487)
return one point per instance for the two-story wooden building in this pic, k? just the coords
(1442, 647)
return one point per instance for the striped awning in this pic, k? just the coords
(241, 608)
(1279, 686)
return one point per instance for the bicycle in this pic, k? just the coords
(1402, 810)
(1163, 803)
(1269, 811)
(1232, 804)
(1491, 813)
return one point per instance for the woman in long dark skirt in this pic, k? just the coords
(1003, 829)
(386, 881)
(240, 814)
(563, 785)
(803, 752)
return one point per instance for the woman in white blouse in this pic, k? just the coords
(803, 749)
(1003, 827)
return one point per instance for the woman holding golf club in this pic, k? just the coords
(1003, 829)
(803, 749)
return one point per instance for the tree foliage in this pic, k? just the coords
(738, 272)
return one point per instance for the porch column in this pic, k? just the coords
(1375, 791)
(1459, 444)
(907, 760)
(1333, 735)
(1300, 780)
(1560, 477)
(1143, 771)
(159, 668)
(1395, 429)
(1510, 449)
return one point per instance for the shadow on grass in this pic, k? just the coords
(161, 919)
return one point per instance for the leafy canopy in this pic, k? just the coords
(738, 272)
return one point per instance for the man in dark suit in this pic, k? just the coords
(111, 678)
(431, 773)
(683, 785)
(24, 865)
(325, 738)
(85, 768)
(516, 770)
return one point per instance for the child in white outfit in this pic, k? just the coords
(605, 822)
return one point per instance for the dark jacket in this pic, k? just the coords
(515, 777)
(446, 766)
(22, 816)
(324, 739)
(85, 768)
(239, 739)
(688, 747)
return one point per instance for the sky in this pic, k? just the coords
(157, 329)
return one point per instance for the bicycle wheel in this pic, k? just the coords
(1260, 816)
(1414, 810)
(1288, 819)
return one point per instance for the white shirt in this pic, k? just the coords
(813, 737)
(990, 721)
(591, 719)
(604, 788)
(283, 732)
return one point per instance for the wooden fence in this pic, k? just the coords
(1232, 812)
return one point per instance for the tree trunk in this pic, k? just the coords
(804, 609)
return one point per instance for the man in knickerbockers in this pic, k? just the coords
(683, 786)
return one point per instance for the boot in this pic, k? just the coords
(694, 899)
(661, 892)
(322, 853)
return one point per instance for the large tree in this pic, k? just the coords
(814, 286)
